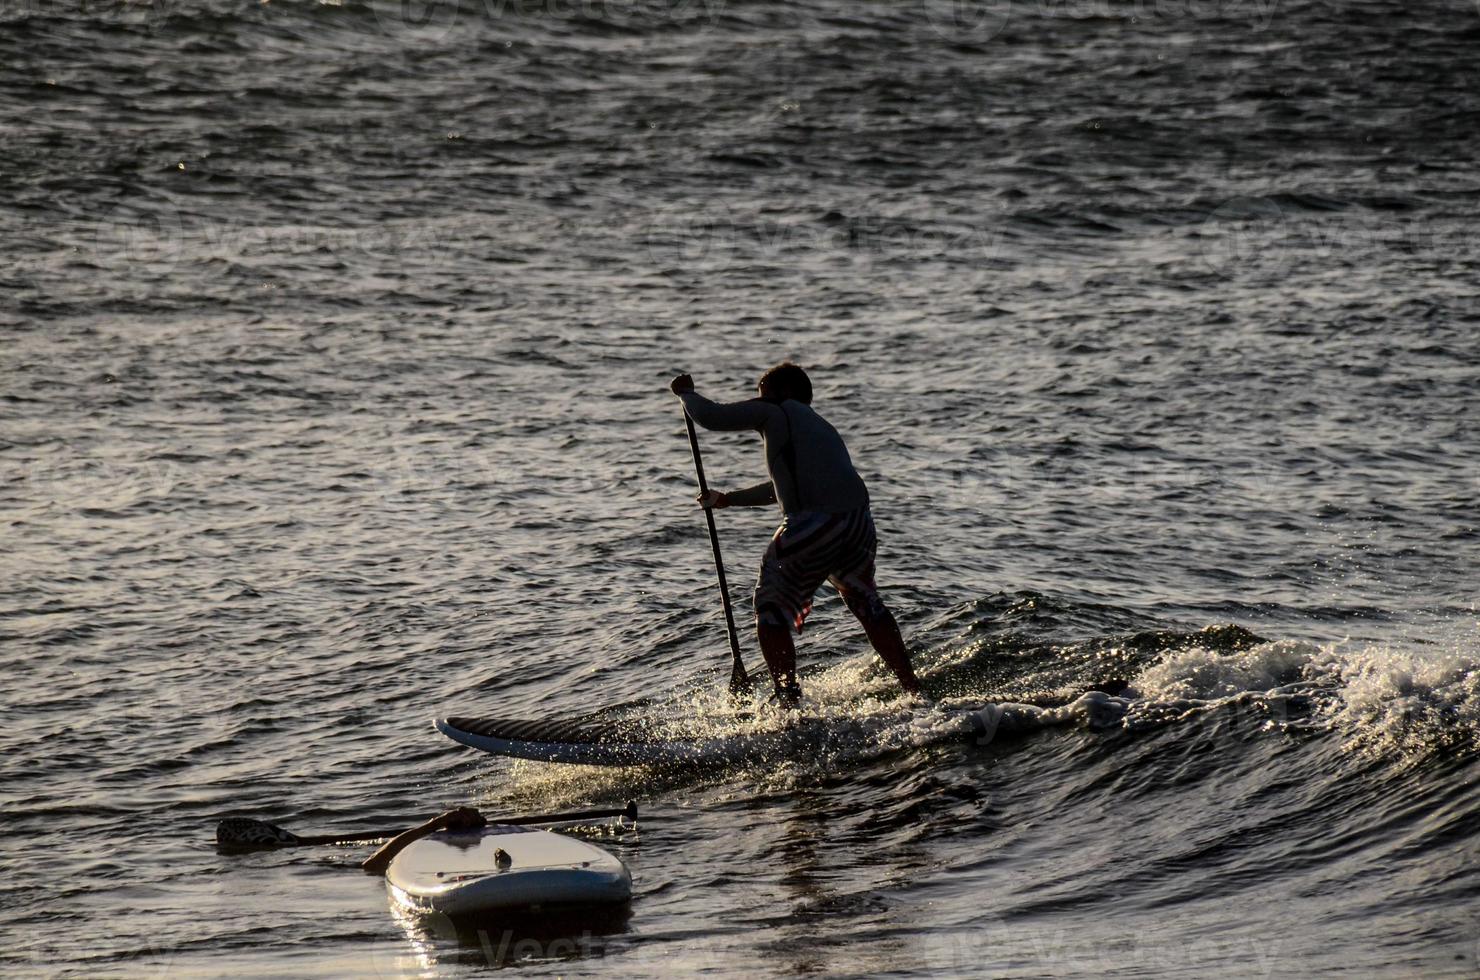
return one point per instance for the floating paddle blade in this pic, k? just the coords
(246, 832)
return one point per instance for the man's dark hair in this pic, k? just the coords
(788, 380)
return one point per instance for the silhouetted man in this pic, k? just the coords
(827, 532)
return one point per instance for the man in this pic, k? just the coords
(826, 533)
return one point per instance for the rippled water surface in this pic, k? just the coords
(333, 398)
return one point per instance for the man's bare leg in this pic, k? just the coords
(883, 633)
(781, 658)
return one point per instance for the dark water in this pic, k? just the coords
(335, 338)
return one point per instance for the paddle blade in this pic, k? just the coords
(739, 681)
(246, 832)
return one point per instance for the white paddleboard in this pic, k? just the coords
(500, 868)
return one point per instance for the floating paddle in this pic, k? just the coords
(739, 681)
(246, 832)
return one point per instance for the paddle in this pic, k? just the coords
(739, 681)
(246, 832)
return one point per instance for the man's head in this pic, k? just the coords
(786, 380)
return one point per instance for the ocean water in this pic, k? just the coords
(334, 342)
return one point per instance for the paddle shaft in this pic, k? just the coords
(738, 679)
(629, 811)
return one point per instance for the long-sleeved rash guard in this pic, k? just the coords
(809, 465)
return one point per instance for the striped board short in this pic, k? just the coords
(808, 549)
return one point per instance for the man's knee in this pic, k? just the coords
(770, 614)
(867, 606)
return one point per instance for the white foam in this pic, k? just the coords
(1204, 675)
(1412, 700)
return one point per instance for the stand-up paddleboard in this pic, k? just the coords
(631, 742)
(625, 744)
(596, 743)
(500, 868)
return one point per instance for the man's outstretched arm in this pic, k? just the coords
(732, 417)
